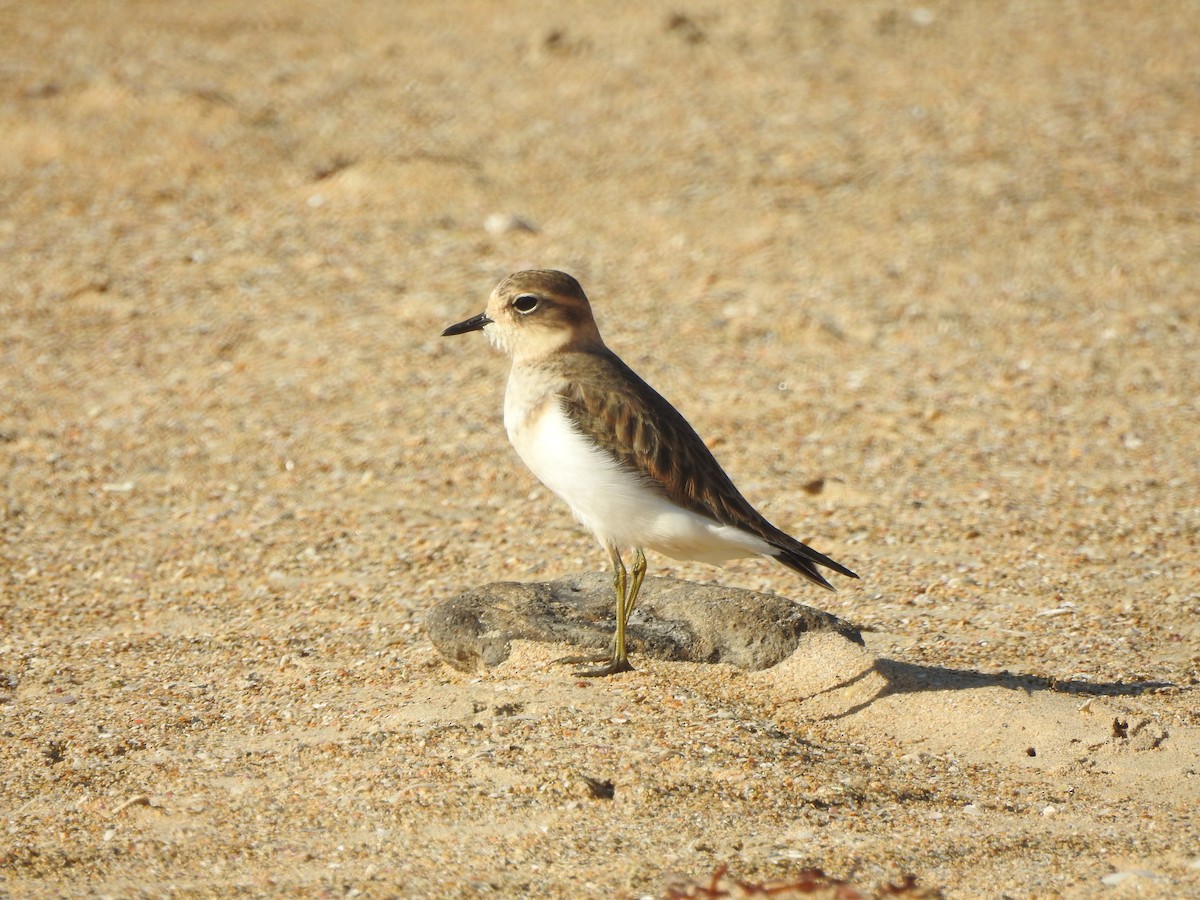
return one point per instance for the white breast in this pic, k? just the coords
(615, 504)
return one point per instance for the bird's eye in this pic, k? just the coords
(526, 303)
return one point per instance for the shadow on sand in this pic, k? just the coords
(906, 678)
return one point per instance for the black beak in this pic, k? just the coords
(475, 323)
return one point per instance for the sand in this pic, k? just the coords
(927, 278)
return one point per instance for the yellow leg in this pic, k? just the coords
(639, 573)
(626, 596)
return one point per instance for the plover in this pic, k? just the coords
(629, 466)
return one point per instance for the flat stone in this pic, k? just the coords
(674, 620)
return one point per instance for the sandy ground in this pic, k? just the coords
(926, 277)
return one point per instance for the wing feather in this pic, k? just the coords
(648, 435)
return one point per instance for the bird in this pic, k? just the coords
(632, 470)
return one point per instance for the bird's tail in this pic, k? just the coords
(805, 559)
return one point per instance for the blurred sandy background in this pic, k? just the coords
(926, 276)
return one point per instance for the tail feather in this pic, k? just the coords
(805, 559)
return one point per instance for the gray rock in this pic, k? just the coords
(674, 620)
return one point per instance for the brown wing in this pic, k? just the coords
(630, 420)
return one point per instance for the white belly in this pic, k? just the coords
(616, 505)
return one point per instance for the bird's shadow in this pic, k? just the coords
(907, 678)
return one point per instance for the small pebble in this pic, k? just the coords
(506, 223)
(1115, 878)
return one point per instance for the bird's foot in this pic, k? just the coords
(581, 660)
(614, 666)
